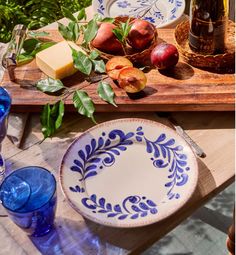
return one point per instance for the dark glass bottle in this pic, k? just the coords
(208, 26)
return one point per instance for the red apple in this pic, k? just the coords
(141, 34)
(106, 41)
(164, 56)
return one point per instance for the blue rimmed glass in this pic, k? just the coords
(5, 105)
(29, 197)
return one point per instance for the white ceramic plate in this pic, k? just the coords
(159, 12)
(128, 173)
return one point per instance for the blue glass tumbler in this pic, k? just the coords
(5, 104)
(29, 197)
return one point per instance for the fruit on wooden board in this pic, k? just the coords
(56, 61)
(106, 40)
(164, 56)
(141, 34)
(132, 79)
(115, 65)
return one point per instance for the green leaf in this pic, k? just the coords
(126, 28)
(91, 31)
(99, 66)
(122, 31)
(48, 127)
(49, 85)
(51, 118)
(32, 47)
(67, 13)
(38, 33)
(57, 113)
(84, 104)
(94, 54)
(74, 28)
(82, 62)
(97, 17)
(82, 15)
(30, 44)
(70, 32)
(118, 34)
(42, 46)
(109, 20)
(24, 58)
(106, 92)
(65, 32)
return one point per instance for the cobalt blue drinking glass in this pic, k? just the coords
(5, 104)
(29, 197)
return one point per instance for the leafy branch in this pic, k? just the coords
(73, 30)
(52, 115)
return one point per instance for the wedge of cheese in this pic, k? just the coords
(57, 61)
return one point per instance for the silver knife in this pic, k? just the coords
(198, 150)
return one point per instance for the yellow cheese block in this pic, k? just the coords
(57, 61)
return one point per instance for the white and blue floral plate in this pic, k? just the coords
(161, 13)
(128, 173)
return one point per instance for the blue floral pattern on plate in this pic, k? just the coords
(132, 206)
(147, 169)
(158, 12)
(123, 4)
(102, 152)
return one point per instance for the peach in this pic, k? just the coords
(115, 65)
(141, 34)
(106, 41)
(132, 79)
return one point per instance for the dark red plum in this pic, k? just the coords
(164, 56)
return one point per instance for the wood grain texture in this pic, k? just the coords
(185, 88)
(73, 234)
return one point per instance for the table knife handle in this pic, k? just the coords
(190, 141)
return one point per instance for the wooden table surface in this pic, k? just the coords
(214, 132)
(73, 234)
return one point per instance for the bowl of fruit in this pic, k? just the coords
(128, 37)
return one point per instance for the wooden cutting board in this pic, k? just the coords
(185, 88)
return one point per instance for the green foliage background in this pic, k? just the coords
(34, 13)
